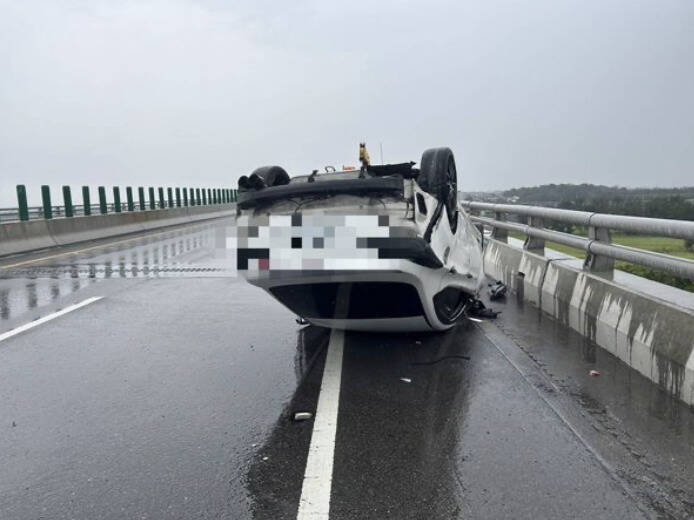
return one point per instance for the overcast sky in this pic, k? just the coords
(200, 92)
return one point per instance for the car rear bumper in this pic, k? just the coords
(377, 300)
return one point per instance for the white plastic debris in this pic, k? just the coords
(405, 379)
(302, 416)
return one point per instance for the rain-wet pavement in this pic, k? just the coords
(173, 396)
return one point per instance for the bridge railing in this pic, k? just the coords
(143, 199)
(601, 253)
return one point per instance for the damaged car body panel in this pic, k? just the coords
(382, 249)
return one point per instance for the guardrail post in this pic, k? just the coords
(534, 244)
(152, 200)
(129, 197)
(86, 201)
(67, 198)
(476, 213)
(46, 201)
(141, 198)
(595, 263)
(22, 203)
(162, 203)
(185, 196)
(103, 207)
(169, 196)
(116, 199)
(497, 232)
(192, 196)
(178, 197)
(236, 195)
(204, 197)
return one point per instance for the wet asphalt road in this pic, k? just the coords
(172, 397)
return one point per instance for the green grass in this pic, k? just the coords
(665, 245)
(668, 246)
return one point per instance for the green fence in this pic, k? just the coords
(160, 198)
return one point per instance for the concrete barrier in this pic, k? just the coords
(505, 263)
(502, 263)
(23, 237)
(79, 229)
(650, 333)
(17, 237)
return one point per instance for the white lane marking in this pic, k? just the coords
(315, 492)
(36, 323)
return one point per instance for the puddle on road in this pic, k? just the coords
(198, 252)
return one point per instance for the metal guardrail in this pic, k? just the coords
(601, 252)
(37, 212)
(161, 198)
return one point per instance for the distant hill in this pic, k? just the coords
(554, 194)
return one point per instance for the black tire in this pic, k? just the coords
(272, 175)
(449, 305)
(438, 177)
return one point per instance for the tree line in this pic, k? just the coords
(673, 203)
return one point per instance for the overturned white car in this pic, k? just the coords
(386, 248)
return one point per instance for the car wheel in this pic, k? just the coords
(449, 305)
(272, 175)
(438, 177)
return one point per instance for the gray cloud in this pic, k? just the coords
(198, 93)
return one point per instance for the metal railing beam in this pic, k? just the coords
(601, 252)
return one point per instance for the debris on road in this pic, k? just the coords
(301, 321)
(405, 379)
(302, 416)
(479, 310)
(497, 290)
(594, 373)
(433, 362)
